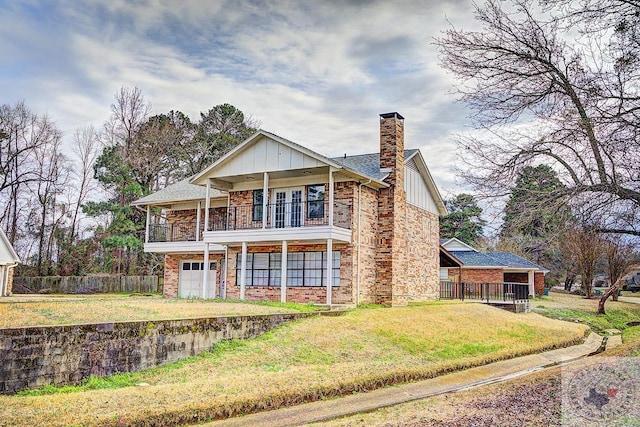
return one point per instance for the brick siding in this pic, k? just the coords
(538, 283)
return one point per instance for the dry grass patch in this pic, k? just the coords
(62, 310)
(307, 360)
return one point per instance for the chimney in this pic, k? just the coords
(392, 146)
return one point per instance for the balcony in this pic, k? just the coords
(303, 220)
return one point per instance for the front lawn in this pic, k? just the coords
(39, 310)
(575, 308)
(307, 360)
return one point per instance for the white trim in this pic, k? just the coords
(331, 195)
(205, 272)
(460, 242)
(274, 235)
(329, 270)
(265, 198)
(198, 213)
(12, 252)
(146, 229)
(223, 293)
(207, 205)
(181, 247)
(243, 271)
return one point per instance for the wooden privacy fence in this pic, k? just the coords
(86, 284)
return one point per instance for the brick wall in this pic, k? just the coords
(37, 356)
(10, 281)
(482, 275)
(423, 255)
(368, 243)
(538, 283)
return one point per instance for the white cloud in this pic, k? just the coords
(317, 73)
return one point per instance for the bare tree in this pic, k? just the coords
(128, 113)
(539, 95)
(85, 149)
(620, 256)
(584, 245)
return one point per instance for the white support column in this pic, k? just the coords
(265, 199)
(243, 270)
(207, 205)
(283, 273)
(205, 271)
(329, 270)
(198, 213)
(330, 196)
(223, 292)
(146, 230)
(532, 288)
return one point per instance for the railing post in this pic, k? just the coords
(488, 292)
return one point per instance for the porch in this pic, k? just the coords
(508, 295)
(279, 216)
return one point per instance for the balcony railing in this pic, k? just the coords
(182, 231)
(489, 292)
(278, 215)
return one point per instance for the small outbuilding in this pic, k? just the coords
(460, 262)
(8, 260)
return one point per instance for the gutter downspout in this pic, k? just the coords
(358, 248)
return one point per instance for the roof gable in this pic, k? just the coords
(457, 245)
(263, 152)
(415, 157)
(7, 254)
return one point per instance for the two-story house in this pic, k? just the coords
(275, 220)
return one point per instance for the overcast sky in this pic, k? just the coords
(316, 72)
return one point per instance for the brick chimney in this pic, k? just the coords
(391, 284)
(392, 147)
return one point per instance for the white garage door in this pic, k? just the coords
(190, 278)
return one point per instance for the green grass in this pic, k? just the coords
(574, 308)
(310, 359)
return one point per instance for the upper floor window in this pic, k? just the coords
(315, 201)
(258, 198)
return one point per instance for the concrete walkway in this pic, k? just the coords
(633, 300)
(363, 402)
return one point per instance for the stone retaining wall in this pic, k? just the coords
(36, 356)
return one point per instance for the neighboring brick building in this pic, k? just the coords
(275, 220)
(8, 260)
(463, 263)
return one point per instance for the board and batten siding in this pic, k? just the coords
(266, 155)
(417, 191)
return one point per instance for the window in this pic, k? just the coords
(258, 198)
(315, 201)
(303, 269)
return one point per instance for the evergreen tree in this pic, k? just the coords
(463, 221)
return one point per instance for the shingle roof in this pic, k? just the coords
(368, 164)
(180, 191)
(494, 259)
